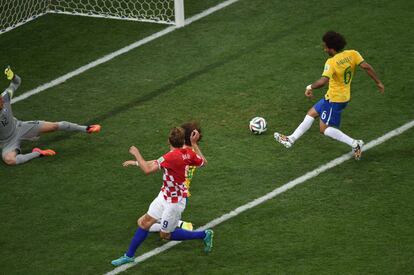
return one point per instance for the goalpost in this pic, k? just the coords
(14, 13)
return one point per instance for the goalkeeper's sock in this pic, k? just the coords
(70, 127)
(338, 135)
(302, 128)
(137, 240)
(182, 235)
(20, 158)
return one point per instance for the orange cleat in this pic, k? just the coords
(46, 152)
(96, 128)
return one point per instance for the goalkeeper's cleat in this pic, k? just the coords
(96, 128)
(208, 240)
(46, 152)
(187, 226)
(122, 260)
(9, 73)
(282, 139)
(357, 148)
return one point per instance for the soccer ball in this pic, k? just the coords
(258, 125)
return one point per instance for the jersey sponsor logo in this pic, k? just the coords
(326, 67)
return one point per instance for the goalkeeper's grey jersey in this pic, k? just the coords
(7, 120)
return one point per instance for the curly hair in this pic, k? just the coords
(334, 40)
(189, 127)
(176, 137)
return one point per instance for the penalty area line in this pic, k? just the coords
(119, 52)
(270, 195)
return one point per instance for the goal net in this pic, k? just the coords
(14, 13)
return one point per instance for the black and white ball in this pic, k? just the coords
(258, 125)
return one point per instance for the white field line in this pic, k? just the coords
(271, 195)
(119, 52)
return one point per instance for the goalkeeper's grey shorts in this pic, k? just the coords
(25, 130)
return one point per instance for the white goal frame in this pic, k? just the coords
(25, 11)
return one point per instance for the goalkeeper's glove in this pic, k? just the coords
(9, 73)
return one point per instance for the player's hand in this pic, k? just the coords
(309, 93)
(380, 87)
(195, 136)
(129, 163)
(133, 150)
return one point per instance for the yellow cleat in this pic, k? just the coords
(9, 73)
(187, 226)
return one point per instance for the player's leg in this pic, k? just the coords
(329, 124)
(15, 158)
(169, 230)
(11, 153)
(156, 227)
(303, 127)
(144, 224)
(9, 157)
(48, 127)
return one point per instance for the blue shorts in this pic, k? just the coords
(330, 112)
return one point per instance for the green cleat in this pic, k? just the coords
(122, 260)
(208, 240)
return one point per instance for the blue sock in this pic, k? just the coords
(139, 237)
(181, 235)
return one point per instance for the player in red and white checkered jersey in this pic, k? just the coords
(176, 164)
(170, 202)
(188, 127)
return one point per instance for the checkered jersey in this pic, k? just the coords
(176, 164)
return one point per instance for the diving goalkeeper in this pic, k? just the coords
(14, 131)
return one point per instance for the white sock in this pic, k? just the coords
(338, 135)
(156, 227)
(302, 128)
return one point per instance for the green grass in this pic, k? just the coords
(75, 212)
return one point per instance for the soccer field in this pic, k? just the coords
(77, 211)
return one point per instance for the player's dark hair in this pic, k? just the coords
(176, 137)
(334, 40)
(189, 127)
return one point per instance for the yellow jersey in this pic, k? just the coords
(340, 70)
(189, 177)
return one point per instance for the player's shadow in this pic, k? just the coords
(189, 77)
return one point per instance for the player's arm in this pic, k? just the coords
(195, 136)
(135, 163)
(148, 167)
(15, 81)
(316, 85)
(370, 71)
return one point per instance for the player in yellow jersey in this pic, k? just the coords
(338, 72)
(188, 127)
